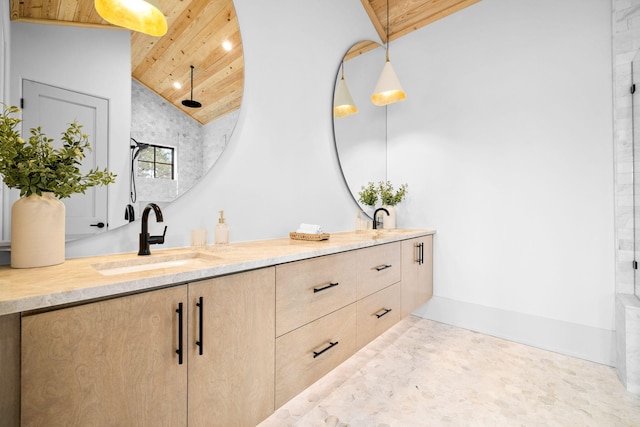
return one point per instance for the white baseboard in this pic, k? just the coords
(585, 342)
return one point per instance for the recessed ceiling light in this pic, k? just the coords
(227, 45)
(177, 85)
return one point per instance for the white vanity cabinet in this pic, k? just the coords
(135, 360)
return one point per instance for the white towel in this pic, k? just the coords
(309, 229)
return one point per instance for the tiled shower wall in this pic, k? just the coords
(625, 44)
(155, 121)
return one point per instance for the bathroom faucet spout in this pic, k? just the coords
(375, 217)
(145, 238)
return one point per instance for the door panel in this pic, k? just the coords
(232, 382)
(52, 109)
(108, 363)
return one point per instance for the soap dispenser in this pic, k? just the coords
(221, 236)
(359, 225)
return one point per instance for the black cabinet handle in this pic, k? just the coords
(383, 267)
(385, 311)
(329, 286)
(331, 345)
(99, 225)
(199, 343)
(179, 351)
(421, 252)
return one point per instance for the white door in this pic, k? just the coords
(53, 109)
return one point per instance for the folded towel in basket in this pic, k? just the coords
(309, 229)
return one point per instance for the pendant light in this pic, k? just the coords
(190, 102)
(388, 89)
(343, 104)
(143, 16)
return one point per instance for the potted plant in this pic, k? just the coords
(390, 198)
(368, 195)
(43, 175)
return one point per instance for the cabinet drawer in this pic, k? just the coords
(307, 290)
(305, 355)
(378, 267)
(377, 313)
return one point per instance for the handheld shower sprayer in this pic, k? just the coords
(136, 148)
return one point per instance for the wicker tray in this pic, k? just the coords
(309, 237)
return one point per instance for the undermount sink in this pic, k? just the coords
(153, 262)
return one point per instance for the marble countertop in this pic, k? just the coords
(78, 280)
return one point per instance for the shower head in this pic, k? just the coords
(139, 145)
(190, 102)
(137, 148)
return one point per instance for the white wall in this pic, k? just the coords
(87, 60)
(280, 167)
(506, 142)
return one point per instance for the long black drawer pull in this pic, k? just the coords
(329, 286)
(385, 311)
(180, 335)
(331, 345)
(199, 343)
(383, 267)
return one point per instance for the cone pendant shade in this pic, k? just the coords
(388, 89)
(343, 104)
(143, 16)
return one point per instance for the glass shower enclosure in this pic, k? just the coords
(635, 169)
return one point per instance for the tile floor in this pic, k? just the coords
(424, 373)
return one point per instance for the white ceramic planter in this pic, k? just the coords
(37, 231)
(389, 221)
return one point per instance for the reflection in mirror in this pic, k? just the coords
(361, 138)
(144, 88)
(195, 147)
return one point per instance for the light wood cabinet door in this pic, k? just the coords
(232, 382)
(320, 285)
(417, 273)
(306, 354)
(108, 363)
(377, 313)
(10, 370)
(378, 267)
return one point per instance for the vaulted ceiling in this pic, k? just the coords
(196, 31)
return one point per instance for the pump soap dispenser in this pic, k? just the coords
(221, 235)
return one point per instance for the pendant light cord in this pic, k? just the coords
(387, 30)
(192, 82)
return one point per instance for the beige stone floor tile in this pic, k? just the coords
(424, 373)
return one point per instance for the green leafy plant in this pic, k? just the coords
(368, 194)
(35, 167)
(388, 196)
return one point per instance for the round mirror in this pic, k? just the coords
(160, 146)
(360, 137)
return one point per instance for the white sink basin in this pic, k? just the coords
(152, 262)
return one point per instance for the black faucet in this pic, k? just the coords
(145, 239)
(375, 217)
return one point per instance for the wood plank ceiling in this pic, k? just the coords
(196, 31)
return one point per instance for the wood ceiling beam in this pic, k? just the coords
(375, 21)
